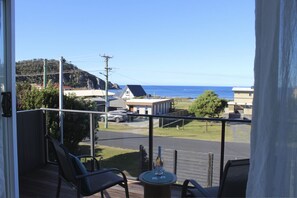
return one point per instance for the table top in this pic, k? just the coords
(149, 177)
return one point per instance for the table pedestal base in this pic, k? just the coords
(157, 186)
(153, 191)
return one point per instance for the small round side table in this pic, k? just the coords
(157, 186)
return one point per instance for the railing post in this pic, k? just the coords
(210, 170)
(61, 126)
(92, 134)
(222, 150)
(175, 162)
(45, 133)
(151, 126)
(61, 96)
(141, 157)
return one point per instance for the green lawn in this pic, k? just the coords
(182, 103)
(120, 127)
(127, 160)
(198, 130)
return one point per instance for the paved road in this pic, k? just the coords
(192, 160)
(132, 141)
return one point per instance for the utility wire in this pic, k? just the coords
(41, 74)
(84, 55)
(128, 77)
(187, 73)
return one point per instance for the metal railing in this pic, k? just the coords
(222, 120)
(151, 132)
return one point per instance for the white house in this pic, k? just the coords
(88, 93)
(95, 95)
(132, 91)
(150, 106)
(242, 104)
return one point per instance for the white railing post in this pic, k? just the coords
(92, 134)
(61, 94)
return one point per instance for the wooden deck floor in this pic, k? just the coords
(43, 183)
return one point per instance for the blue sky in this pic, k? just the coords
(153, 42)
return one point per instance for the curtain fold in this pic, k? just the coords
(2, 176)
(273, 170)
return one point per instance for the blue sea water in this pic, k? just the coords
(186, 91)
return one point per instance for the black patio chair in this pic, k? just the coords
(86, 183)
(233, 183)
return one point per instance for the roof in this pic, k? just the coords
(146, 101)
(136, 90)
(242, 89)
(97, 99)
(119, 103)
(87, 93)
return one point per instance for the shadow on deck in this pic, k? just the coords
(43, 183)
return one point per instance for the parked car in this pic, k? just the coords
(116, 116)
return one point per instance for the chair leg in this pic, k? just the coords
(77, 193)
(126, 189)
(102, 194)
(184, 189)
(59, 187)
(78, 187)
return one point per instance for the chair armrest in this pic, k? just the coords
(89, 156)
(98, 163)
(196, 185)
(101, 172)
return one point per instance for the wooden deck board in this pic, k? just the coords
(43, 183)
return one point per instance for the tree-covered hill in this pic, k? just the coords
(31, 71)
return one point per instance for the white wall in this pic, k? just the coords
(128, 94)
(157, 107)
(142, 109)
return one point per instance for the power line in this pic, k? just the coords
(92, 55)
(141, 82)
(48, 73)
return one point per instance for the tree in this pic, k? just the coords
(29, 97)
(76, 125)
(208, 104)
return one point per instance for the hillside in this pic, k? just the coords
(32, 71)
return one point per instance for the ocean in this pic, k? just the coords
(186, 91)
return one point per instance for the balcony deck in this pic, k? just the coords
(43, 183)
(194, 162)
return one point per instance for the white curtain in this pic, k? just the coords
(2, 179)
(273, 170)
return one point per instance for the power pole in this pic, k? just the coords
(61, 94)
(107, 69)
(44, 73)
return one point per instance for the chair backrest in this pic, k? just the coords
(66, 167)
(234, 179)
